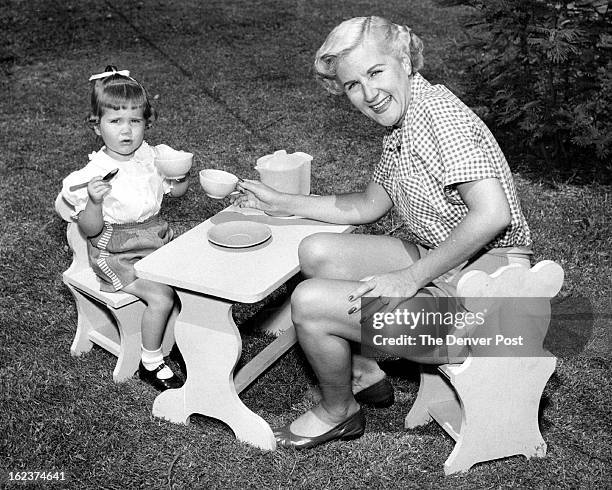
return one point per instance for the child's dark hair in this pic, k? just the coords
(118, 91)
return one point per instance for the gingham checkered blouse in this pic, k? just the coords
(440, 144)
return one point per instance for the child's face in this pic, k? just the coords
(122, 131)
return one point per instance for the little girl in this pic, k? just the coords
(120, 216)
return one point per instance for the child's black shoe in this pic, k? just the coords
(157, 383)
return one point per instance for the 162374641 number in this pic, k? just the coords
(36, 476)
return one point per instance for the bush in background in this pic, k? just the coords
(543, 76)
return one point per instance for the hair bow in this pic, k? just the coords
(105, 74)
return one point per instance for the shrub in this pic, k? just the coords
(545, 77)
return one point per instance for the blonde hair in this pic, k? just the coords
(392, 38)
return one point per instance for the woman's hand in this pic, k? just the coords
(98, 189)
(390, 288)
(256, 195)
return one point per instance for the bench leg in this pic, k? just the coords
(500, 399)
(129, 319)
(117, 330)
(90, 315)
(432, 389)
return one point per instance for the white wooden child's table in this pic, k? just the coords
(209, 279)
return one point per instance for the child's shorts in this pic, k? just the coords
(113, 253)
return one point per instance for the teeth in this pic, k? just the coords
(380, 104)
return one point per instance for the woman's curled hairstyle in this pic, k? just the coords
(393, 38)
(117, 91)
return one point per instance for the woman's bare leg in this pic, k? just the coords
(353, 257)
(324, 328)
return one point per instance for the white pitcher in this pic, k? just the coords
(289, 173)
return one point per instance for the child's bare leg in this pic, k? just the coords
(159, 299)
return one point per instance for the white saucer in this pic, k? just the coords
(222, 197)
(278, 215)
(239, 234)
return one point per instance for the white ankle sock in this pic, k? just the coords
(151, 359)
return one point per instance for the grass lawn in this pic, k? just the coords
(232, 82)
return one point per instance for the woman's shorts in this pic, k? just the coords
(487, 261)
(113, 253)
(400, 334)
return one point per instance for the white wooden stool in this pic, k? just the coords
(110, 320)
(489, 405)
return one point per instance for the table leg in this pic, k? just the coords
(262, 361)
(278, 324)
(210, 344)
(279, 320)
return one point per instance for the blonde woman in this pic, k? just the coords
(445, 174)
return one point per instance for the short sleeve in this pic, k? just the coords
(98, 165)
(460, 151)
(166, 184)
(147, 153)
(78, 198)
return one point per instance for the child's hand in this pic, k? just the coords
(178, 187)
(97, 189)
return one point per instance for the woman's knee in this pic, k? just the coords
(316, 253)
(307, 303)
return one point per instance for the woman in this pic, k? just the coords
(443, 171)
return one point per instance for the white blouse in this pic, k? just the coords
(137, 189)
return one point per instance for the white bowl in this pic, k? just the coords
(217, 183)
(174, 167)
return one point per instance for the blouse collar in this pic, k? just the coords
(144, 154)
(393, 135)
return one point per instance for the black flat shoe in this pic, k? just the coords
(157, 383)
(379, 395)
(351, 428)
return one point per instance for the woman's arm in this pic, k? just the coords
(488, 215)
(354, 208)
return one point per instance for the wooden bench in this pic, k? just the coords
(489, 405)
(110, 320)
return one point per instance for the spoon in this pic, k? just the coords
(106, 178)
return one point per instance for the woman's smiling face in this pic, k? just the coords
(376, 83)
